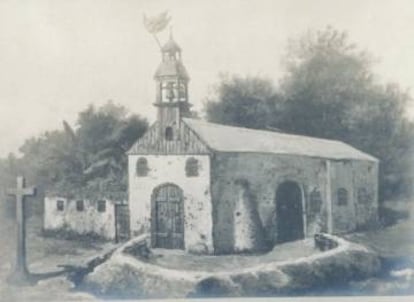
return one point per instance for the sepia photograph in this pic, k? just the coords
(213, 150)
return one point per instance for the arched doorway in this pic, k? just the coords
(167, 217)
(289, 212)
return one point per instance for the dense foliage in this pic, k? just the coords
(328, 91)
(248, 102)
(89, 161)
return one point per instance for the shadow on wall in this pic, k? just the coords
(239, 228)
(223, 220)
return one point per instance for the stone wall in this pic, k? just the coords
(170, 169)
(134, 278)
(265, 172)
(84, 222)
(360, 180)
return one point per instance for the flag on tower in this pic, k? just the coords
(156, 23)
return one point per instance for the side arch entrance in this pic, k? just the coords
(289, 212)
(167, 217)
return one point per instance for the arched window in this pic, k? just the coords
(342, 196)
(191, 167)
(181, 91)
(170, 95)
(142, 167)
(169, 134)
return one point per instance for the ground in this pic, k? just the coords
(395, 244)
(397, 240)
(133, 273)
(45, 255)
(176, 259)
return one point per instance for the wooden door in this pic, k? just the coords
(168, 217)
(289, 212)
(121, 222)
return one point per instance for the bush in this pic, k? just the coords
(66, 233)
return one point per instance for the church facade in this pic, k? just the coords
(214, 189)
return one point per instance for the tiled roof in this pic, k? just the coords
(237, 139)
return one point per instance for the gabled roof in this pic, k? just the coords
(154, 143)
(236, 139)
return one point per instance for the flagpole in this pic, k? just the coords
(156, 24)
(156, 40)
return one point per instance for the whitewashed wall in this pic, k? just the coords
(197, 197)
(82, 222)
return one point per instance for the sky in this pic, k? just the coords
(59, 56)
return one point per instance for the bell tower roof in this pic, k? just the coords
(171, 69)
(171, 80)
(171, 65)
(171, 46)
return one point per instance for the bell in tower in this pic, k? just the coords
(172, 89)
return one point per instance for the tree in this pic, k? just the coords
(238, 101)
(328, 91)
(90, 160)
(326, 78)
(331, 92)
(105, 136)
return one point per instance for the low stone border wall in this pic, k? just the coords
(324, 242)
(124, 276)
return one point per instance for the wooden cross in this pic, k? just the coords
(20, 192)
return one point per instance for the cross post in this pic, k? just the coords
(21, 273)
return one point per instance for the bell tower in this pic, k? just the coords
(171, 91)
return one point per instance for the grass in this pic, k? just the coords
(177, 259)
(395, 245)
(46, 253)
(66, 233)
(45, 256)
(394, 240)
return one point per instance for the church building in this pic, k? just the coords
(215, 189)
